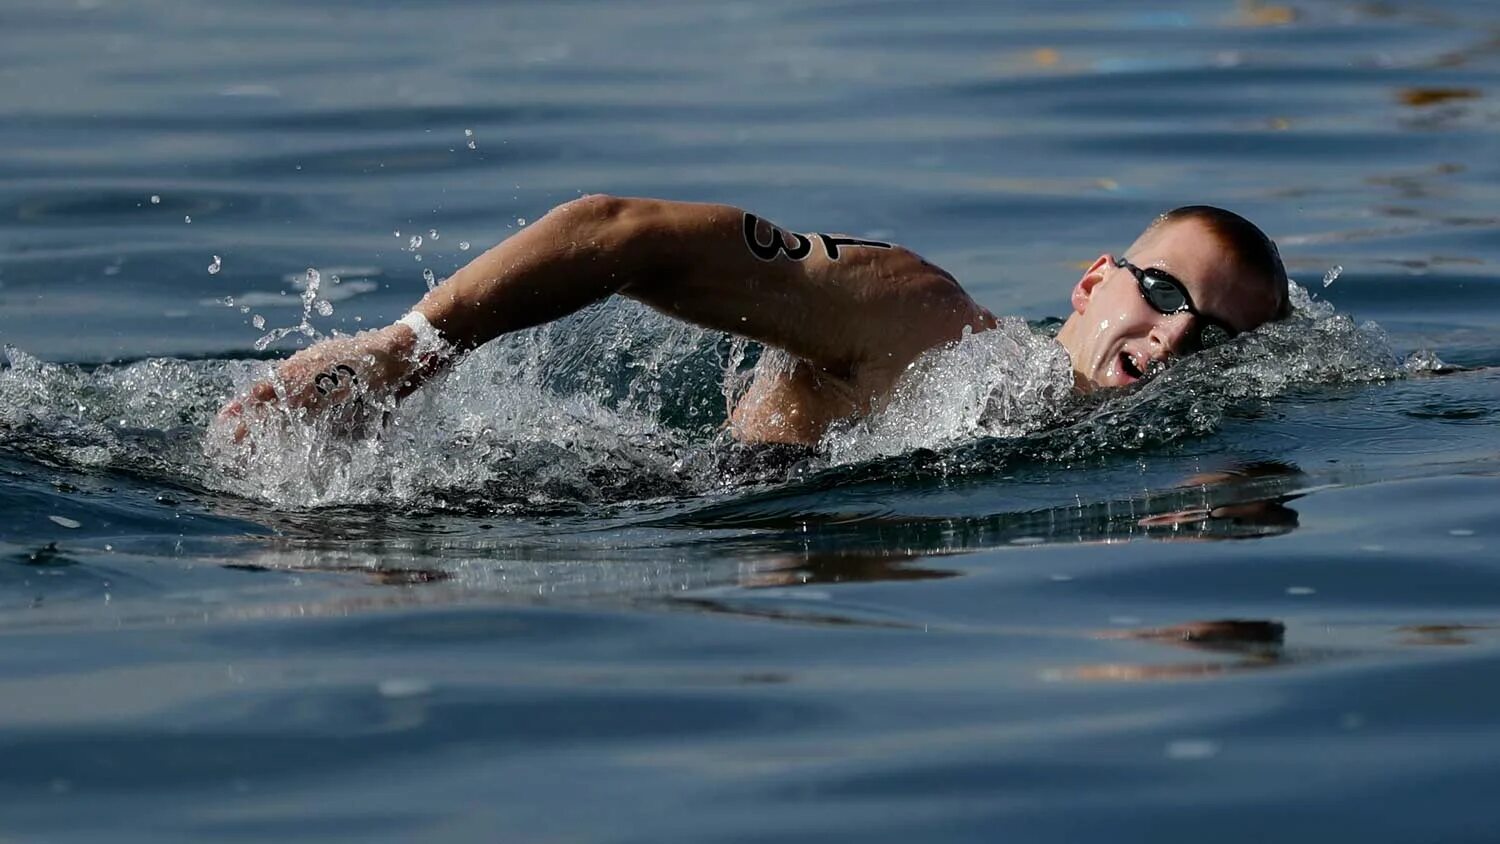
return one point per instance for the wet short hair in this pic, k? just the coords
(1248, 247)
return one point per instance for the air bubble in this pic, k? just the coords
(325, 307)
(429, 277)
(463, 246)
(432, 234)
(1332, 275)
(187, 218)
(415, 243)
(258, 321)
(155, 199)
(215, 266)
(520, 221)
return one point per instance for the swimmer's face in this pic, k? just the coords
(1114, 335)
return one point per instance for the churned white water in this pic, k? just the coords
(620, 404)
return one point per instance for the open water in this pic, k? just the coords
(1257, 599)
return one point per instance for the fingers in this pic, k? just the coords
(262, 392)
(343, 382)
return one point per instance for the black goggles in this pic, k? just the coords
(1166, 295)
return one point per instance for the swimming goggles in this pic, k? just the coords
(1166, 295)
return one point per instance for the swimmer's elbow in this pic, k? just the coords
(593, 209)
(636, 240)
(605, 222)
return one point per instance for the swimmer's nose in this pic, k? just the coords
(1171, 336)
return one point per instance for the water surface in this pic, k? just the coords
(1255, 599)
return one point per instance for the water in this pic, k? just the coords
(1256, 598)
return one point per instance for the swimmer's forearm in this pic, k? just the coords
(834, 301)
(576, 255)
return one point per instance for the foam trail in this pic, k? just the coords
(619, 404)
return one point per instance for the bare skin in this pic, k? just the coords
(853, 315)
(1111, 321)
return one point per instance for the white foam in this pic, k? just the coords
(619, 403)
(1000, 383)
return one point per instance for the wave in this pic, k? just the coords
(619, 405)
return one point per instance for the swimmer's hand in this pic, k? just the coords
(349, 380)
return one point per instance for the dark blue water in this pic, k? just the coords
(1258, 599)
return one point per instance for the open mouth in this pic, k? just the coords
(1130, 368)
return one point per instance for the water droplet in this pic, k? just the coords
(432, 233)
(215, 266)
(187, 218)
(1300, 590)
(244, 309)
(325, 307)
(65, 521)
(155, 200)
(1332, 275)
(397, 232)
(313, 277)
(429, 277)
(415, 243)
(468, 133)
(418, 256)
(334, 279)
(520, 221)
(463, 246)
(258, 321)
(472, 145)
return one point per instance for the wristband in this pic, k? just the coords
(429, 341)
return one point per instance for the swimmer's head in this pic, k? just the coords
(1196, 276)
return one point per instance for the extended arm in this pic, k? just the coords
(844, 306)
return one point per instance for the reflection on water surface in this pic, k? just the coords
(606, 627)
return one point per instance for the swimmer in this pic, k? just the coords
(852, 313)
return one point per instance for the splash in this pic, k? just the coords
(619, 404)
(310, 284)
(613, 404)
(1001, 383)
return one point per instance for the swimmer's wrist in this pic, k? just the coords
(429, 343)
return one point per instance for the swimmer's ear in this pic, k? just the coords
(1084, 289)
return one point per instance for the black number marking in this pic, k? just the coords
(831, 244)
(799, 247)
(796, 250)
(332, 378)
